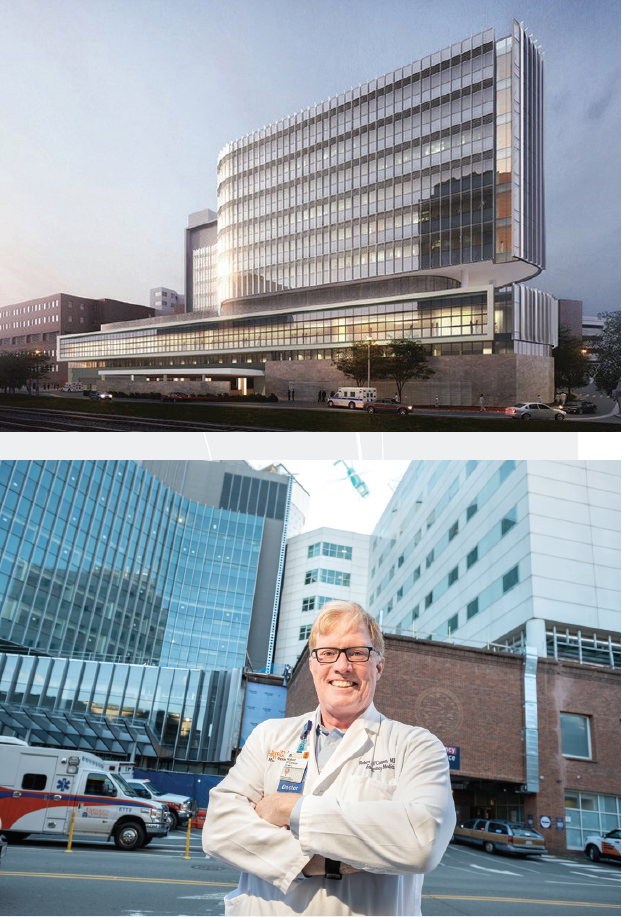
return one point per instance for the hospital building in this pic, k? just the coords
(409, 207)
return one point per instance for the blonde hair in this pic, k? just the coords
(333, 613)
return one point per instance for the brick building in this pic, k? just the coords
(36, 323)
(474, 700)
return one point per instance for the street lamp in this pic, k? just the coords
(369, 362)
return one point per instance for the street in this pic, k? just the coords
(39, 878)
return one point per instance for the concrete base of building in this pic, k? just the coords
(503, 379)
(163, 388)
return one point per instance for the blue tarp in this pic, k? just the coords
(197, 786)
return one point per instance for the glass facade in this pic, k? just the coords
(397, 175)
(175, 714)
(589, 813)
(100, 560)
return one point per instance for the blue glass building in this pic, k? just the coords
(155, 583)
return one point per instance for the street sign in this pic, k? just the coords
(560, 824)
(530, 821)
(545, 821)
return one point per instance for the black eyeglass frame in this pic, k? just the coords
(345, 651)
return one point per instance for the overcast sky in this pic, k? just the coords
(113, 113)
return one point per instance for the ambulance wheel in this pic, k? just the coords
(593, 853)
(129, 835)
(351, 405)
(173, 820)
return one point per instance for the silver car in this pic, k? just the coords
(534, 410)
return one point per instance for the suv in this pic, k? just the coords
(495, 834)
(603, 845)
(181, 808)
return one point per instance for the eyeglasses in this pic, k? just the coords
(327, 654)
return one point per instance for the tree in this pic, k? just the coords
(607, 352)
(353, 363)
(22, 368)
(572, 364)
(405, 360)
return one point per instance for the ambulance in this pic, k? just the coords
(352, 397)
(40, 788)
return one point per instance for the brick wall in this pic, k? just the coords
(473, 698)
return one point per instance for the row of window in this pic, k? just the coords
(329, 550)
(333, 577)
(315, 602)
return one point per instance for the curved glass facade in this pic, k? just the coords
(102, 560)
(395, 176)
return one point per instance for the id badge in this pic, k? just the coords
(292, 776)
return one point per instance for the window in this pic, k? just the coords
(575, 736)
(453, 531)
(428, 600)
(471, 510)
(99, 785)
(336, 550)
(472, 608)
(472, 557)
(506, 470)
(587, 813)
(508, 521)
(400, 561)
(510, 579)
(304, 632)
(400, 593)
(429, 559)
(33, 781)
(308, 604)
(452, 576)
(470, 468)
(310, 577)
(313, 550)
(452, 624)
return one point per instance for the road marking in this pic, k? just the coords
(594, 875)
(64, 875)
(616, 907)
(504, 872)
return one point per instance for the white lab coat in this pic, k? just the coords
(383, 804)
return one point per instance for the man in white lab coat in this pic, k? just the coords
(365, 808)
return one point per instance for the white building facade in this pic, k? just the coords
(320, 565)
(516, 552)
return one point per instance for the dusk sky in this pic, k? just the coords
(113, 113)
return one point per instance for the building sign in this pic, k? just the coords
(263, 702)
(530, 821)
(560, 824)
(453, 756)
(545, 821)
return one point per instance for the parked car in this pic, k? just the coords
(175, 396)
(534, 411)
(100, 396)
(603, 845)
(387, 406)
(580, 407)
(495, 834)
(181, 808)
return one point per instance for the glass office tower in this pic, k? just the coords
(102, 560)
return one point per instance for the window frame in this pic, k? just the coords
(577, 716)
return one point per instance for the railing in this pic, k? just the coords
(586, 650)
(448, 638)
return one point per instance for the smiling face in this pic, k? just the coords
(345, 689)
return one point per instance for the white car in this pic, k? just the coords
(603, 845)
(181, 808)
(534, 410)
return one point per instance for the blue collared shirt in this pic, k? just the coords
(326, 744)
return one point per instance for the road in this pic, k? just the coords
(22, 419)
(39, 878)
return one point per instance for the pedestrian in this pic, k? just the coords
(562, 399)
(482, 402)
(379, 813)
(319, 395)
(323, 394)
(437, 401)
(289, 394)
(292, 392)
(538, 398)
